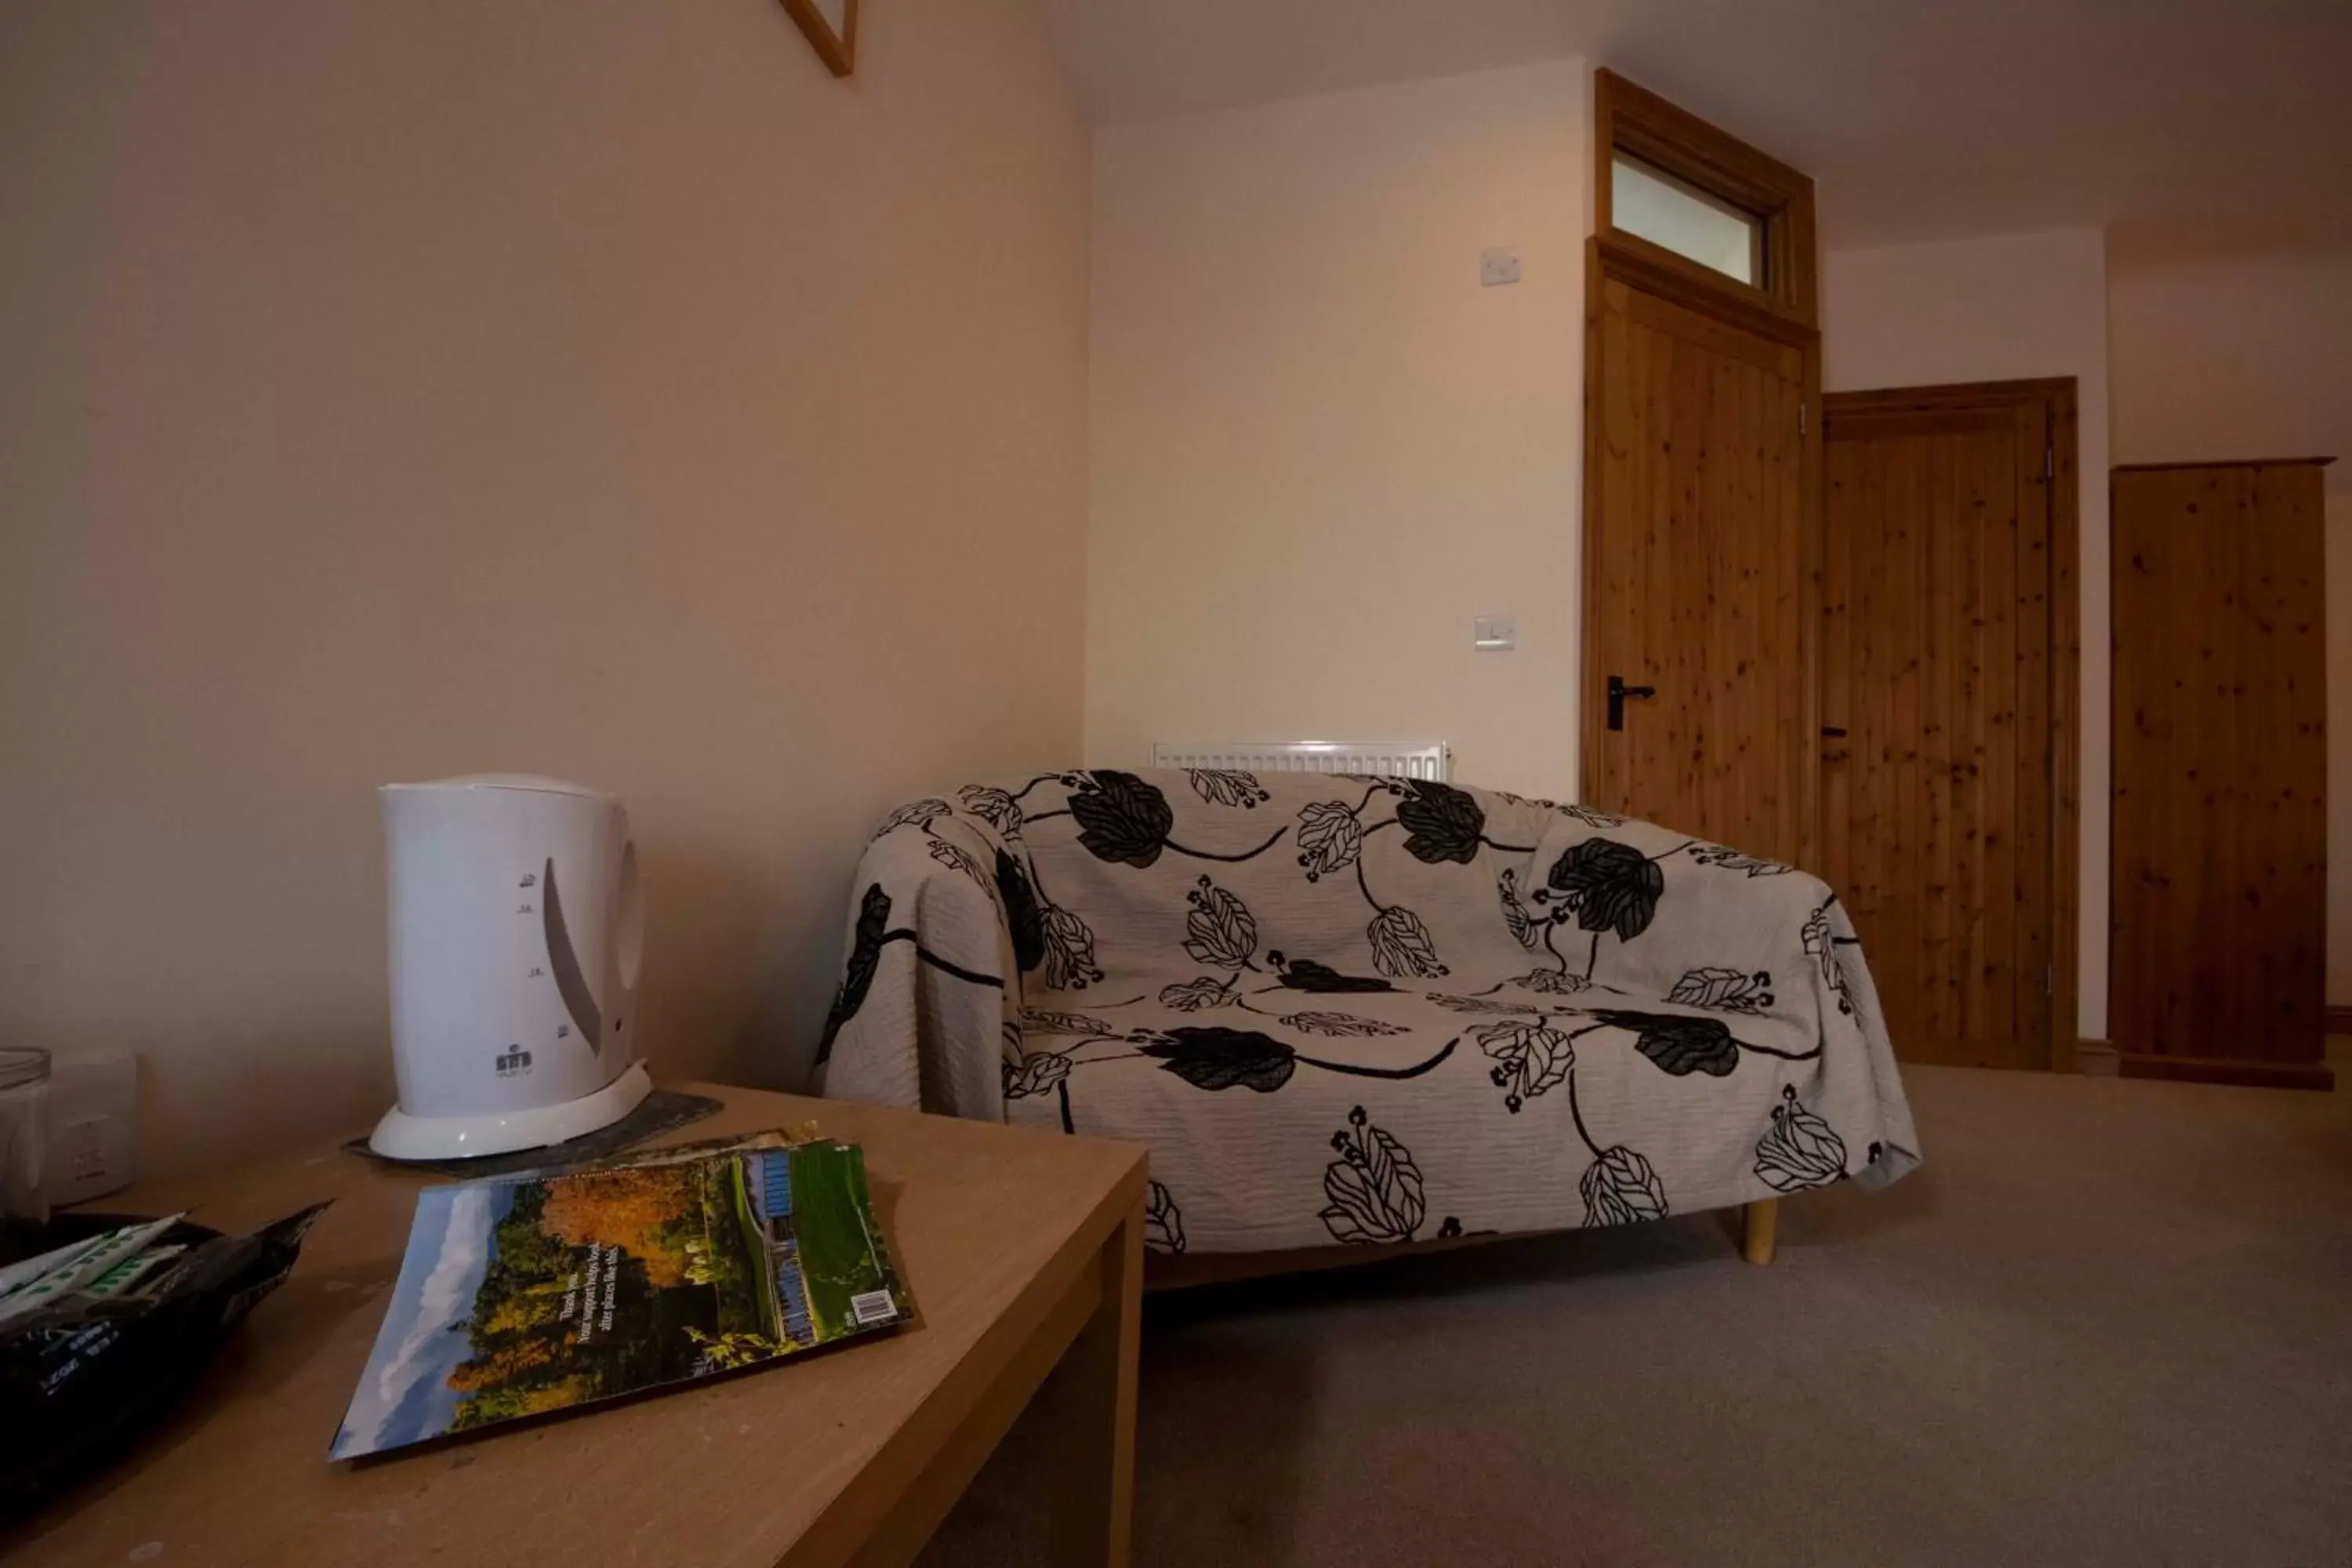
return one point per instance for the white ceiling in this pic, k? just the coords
(1918, 119)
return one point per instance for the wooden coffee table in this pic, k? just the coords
(1024, 1254)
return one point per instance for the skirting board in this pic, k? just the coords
(2099, 1058)
(2339, 1020)
(2223, 1069)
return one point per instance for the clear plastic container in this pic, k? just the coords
(23, 1122)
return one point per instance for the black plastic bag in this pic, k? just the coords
(80, 1379)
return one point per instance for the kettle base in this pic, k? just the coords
(399, 1136)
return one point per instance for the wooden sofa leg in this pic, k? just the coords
(1762, 1220)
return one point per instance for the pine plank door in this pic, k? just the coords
(1937, 800)
(2219, 893)
(1694, 577)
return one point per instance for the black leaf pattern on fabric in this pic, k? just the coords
(1163, 1222)
(1677, 1045)
(1620, 1188)
(1553, 983)
(1731, 990)
(1441, 823)
(1321, 979)
(1220, 932)
(1821, 946)
(1330, 837)
(1817, 944)
(1195, 995)
(914, 814)
(1043, 1020)
(1212, 1058)
(1070, 951)
(857, 974)
(1846, 995)
(958, 858)
(1126, 820)
(1453, 1003)
(1339, 1026)
(1122, 818)
(1611, 886)
(1801, 1151)
(1040, 1072)
(1530, 1057)
(1225, 786)
(1402, 945)
(1592, 818)
(1021, 913)
(993, 806)
(1725, 859)
(1526, 927)
(1374, 1188)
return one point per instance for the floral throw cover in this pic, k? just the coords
(1346, 1009)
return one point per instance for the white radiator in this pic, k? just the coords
(1426, 761)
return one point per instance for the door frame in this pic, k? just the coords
(1630, 117)
(2062, 475)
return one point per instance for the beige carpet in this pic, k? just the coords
(2108, 1323)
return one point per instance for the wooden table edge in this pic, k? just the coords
(1090, 1290)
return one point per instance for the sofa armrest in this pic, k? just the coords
(930, 990)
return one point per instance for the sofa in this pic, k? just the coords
(1346, 1010)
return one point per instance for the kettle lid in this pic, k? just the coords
(532, 782)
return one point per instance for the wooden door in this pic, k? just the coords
(2219, 898)
(1695, 574)
(1938, 800)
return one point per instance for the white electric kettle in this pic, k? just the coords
(516, 927)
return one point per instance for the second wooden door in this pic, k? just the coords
(1936, 660)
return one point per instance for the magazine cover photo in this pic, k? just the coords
(534, 1294)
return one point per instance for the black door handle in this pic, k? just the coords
(1618, 692)
(1832, 733)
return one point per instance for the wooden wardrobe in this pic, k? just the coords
(2218, 914)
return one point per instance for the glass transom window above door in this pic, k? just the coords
(1664, 210)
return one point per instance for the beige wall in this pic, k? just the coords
(1319, 449)
(2232, 349)
(2225, 350)
(593, 388)
(1996, 310)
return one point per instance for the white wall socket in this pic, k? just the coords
(1495, 634)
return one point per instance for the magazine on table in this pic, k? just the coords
(539, 1290)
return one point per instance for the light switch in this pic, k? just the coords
(1495, 634)
(1499, 265)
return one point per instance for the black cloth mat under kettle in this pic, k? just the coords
(660, 1111)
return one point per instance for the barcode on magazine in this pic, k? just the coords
(870, 1307)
